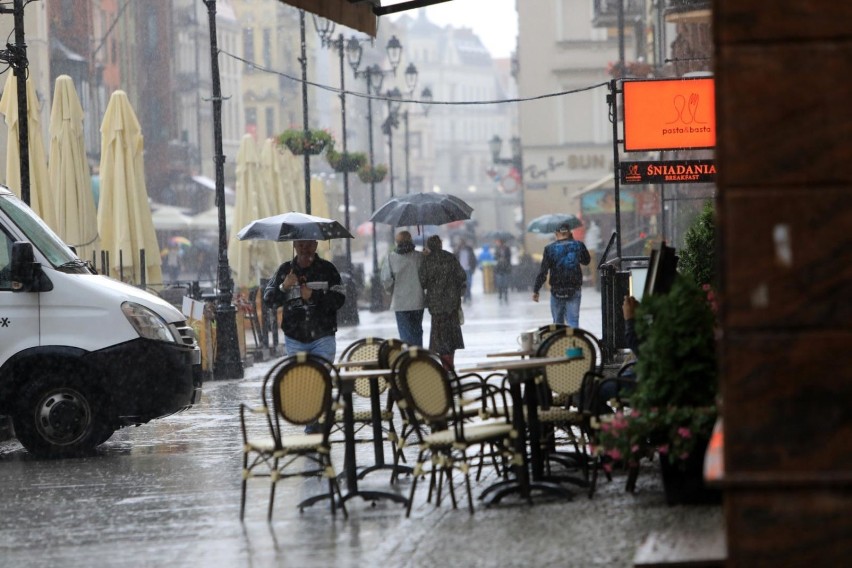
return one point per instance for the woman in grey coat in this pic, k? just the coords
(444, 282)
(400, 277)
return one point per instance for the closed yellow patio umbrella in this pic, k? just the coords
(295, 173)
(273, 170)
(70, 178)
(40, 193)
(319, 208)
(251, 260)
(124, 216)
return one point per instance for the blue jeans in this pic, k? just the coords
(325, 347)
(410, 326)
(501, 281)
(566, 310)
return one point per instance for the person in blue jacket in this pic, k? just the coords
(562, 260)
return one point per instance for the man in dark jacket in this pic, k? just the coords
(562, 259)
(311, 292)
(443, 280)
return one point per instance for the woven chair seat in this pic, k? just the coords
(558, 414)
(363, 415)
(472, 434)
(262, 446)
(301, 441)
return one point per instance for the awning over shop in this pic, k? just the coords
(605, 181)
(359, 14)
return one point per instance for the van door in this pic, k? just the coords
(19, 312)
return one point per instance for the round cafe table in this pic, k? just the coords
(522, 372)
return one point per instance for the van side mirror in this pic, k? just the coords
(23, 267)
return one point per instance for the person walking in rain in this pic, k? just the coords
(467, 259)
(502, 269)
(444, 281)
(401, 278)
(311, 291)
(562, 260)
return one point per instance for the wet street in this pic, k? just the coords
(167, 493)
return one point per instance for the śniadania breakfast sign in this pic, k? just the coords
(676, 171)
(669, 114)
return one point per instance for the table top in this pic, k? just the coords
(364, 374)
(364, 363)
(513, 353)
(519, 364)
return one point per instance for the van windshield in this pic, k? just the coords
(38, 233)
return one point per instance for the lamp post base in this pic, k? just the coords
(377, 297)
(227, 364)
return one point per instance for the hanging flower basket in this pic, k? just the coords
(375, 174)
(345, 161)
(298, 142)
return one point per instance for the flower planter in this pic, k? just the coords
(299, 143)
(683, 481)
(369, 175)
(345, 162)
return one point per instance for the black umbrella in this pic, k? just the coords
(498, 236)
(552, 221)
(422, 209)
(294, 226)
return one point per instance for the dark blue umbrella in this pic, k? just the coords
(422, 209)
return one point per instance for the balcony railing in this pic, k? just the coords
(606, 12)
(687, 5)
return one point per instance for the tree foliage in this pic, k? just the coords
(698, 255)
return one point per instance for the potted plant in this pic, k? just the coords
(673, 409)
(301, 142)
(368, 173)
(345, 161)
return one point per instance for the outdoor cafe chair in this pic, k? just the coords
(427, 390)
(300, 389)
(367, 349)
(565, 382)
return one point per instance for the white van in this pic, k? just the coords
(82, 355)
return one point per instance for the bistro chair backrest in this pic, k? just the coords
(567, 378)
(389, 352)
(366, 349)
(546, 330)
(425, 385)
(301, 390)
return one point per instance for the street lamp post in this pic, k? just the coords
(426, 98)
(227, 364)
(516, 161)
(374, 76)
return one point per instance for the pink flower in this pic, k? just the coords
(663, 449)
(684, 455)
(634, 448)
(605, 426)
(607, 467)
(614, 453)
(684, 432)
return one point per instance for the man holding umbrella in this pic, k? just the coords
(562, 259)
(311, 291)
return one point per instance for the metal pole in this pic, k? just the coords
(376, 299)
(613, 90)
(306, 155)
(390, 154)
(227, 364)
(20, 67)
(407, 155)
(341, 46)
(621, 34)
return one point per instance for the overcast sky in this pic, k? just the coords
(494, 21)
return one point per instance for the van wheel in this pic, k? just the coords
(58, 417)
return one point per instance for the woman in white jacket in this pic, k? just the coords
(400, 278)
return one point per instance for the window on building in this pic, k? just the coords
(248, 47)
(415, 144)
(251, 118)
(267, 47)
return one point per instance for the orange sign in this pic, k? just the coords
(669, 114)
